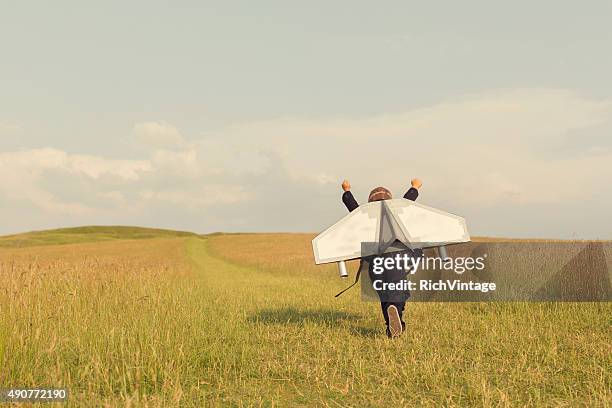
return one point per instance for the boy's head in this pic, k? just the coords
(378, 194)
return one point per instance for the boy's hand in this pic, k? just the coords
(346, 186)
(416, 183)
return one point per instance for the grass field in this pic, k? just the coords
(133, 317)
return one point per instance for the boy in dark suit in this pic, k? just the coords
(392, 304)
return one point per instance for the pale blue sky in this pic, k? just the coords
(273, 103)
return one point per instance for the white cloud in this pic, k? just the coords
(485, 149)
(9, 128)
(198, 198)
(114, 196)
(494, 157)
(182, 163)
(35, 161)
(158, 135)
(96, 167)
(24, 176)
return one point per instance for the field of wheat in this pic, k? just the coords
(149, 318)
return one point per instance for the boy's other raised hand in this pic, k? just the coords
(416, 183)
(346, 186)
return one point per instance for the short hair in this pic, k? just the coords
(378, 194)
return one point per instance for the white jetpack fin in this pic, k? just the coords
(385, 222)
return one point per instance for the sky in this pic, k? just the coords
(246, 116)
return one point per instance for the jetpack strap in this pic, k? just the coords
(353, 284)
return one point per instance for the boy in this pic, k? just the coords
(392, 303)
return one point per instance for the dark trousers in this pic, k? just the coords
(400, 309)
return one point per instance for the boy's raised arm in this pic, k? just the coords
(347, 197)
(413, 192)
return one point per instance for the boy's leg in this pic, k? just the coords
(400, 308)
(394, 326)
(395, 319)
(384, 306)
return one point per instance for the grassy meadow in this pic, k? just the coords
(137, 317)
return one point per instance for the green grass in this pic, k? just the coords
(304, 346)
(62, 236)
(187, 321)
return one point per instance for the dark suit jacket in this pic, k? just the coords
(391, 275)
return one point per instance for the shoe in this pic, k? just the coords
(395, 323)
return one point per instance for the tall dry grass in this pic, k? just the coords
(454, 354)
(103, 319)
(248, 320)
